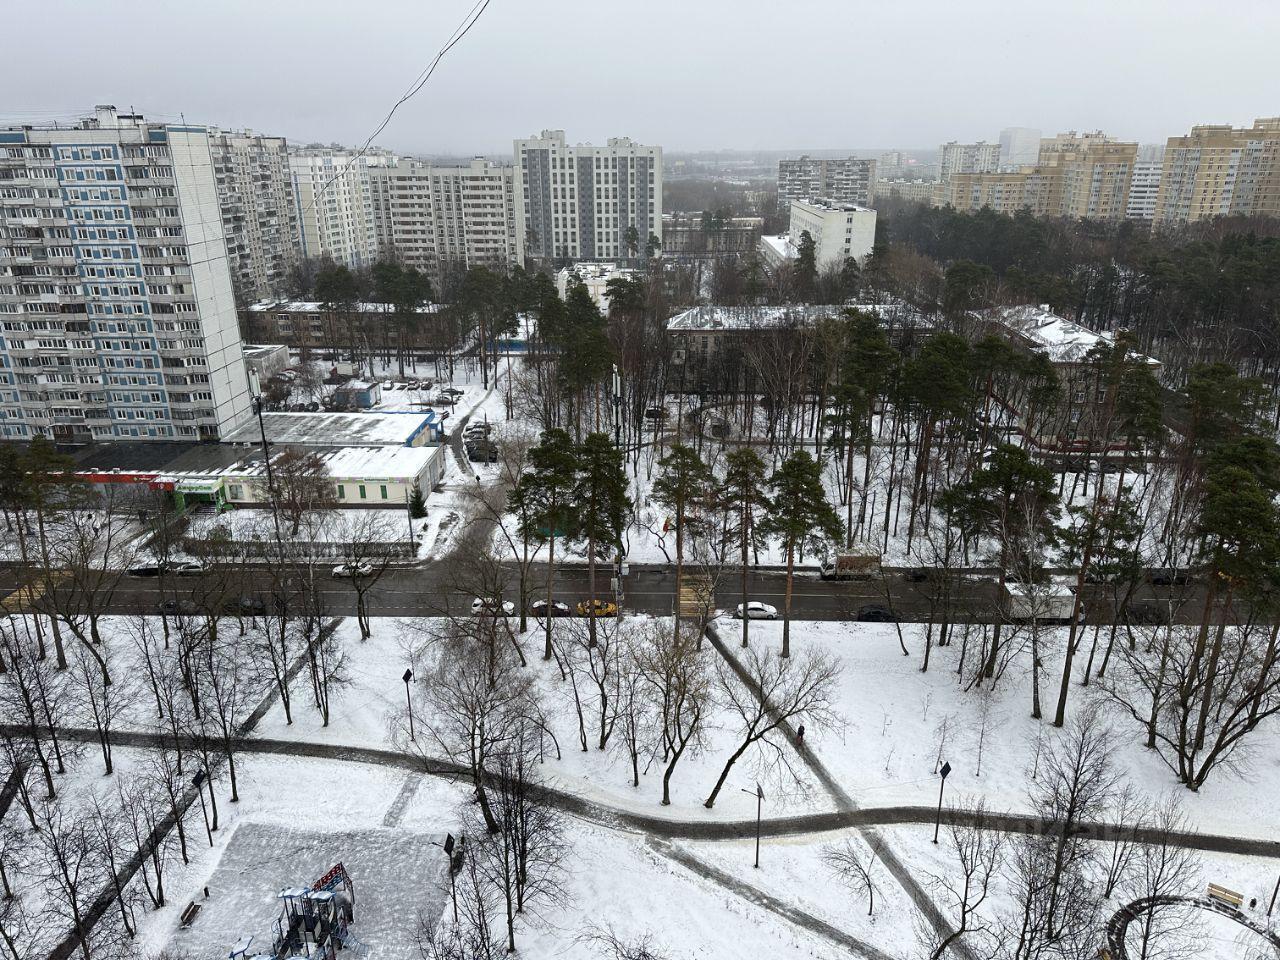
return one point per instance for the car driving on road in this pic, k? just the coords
(488, 607)
(755, 610)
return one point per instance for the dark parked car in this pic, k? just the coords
(178, 608)
(876, 613)
(482, 451)
(1170, 578)
(915, 575)
(145, 570)
(539, 609)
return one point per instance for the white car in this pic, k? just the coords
(756, 611)
(186, 568)
(480, 607)
(353, 570)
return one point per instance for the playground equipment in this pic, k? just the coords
(314, 922)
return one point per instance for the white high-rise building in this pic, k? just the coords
(440, 214)
(980, 157)
(586, 202)
(259, 218)
(1019, 147)
(1144, 187)
(116, 303)
(336, 213)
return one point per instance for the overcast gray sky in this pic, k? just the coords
(686, 74)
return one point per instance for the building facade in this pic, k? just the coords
(917, 191)
(840, 231)
(259, 217)
(450, 214)
(334, 197)
(585, 202)
(1144, 188)
(116, 307)
(980, 157)
(1220, 170)
(595, 278)
(693, 234)
(1081, 176)
(842, 179)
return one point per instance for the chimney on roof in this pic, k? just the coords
(104, 114)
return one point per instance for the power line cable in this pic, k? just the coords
(419, 82)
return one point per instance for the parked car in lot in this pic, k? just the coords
(539, 609)
(453, 391)
(489, 607)
(656, 413)
(186, 568)
(482, 451)
(876, 613)
(348, 570)
(145, 570)
(755, 610)
(916, 575)
(178, 608)
(603, 608)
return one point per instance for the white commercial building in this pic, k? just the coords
(255, 188)
(1019, 147)
(595, 277)
(335, 204)
(116, 300)
(980, 157)
(840, 231)
(586, 202)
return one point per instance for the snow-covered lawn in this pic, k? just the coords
(886, 754)
(362, 715)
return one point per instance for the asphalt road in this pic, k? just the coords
(438, 588)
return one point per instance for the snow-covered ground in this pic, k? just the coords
(895, 716)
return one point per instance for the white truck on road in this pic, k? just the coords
(1050, 602)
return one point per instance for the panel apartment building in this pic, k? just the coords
(259, 218)
(1218, 170)
(839, 179)
(117, 318)
(336, 212)
(447, 214)
(580, 202)
(1080, 176)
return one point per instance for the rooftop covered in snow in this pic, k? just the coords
(1062, 340)
(316, 306)
(711, 317)
(339, 429)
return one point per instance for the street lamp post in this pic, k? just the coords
(447, 847)
(198, 782)
(1272, 905)
(408, 676)
(759, 795)
(942, 782)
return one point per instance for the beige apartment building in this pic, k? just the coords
(1218, 170)
(1081, 176)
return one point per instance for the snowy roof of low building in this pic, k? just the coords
(780, 244)
(825, 203)
(336, 429)
(712, 317)
(1062, 340)
(316, 306)
(252, 350)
